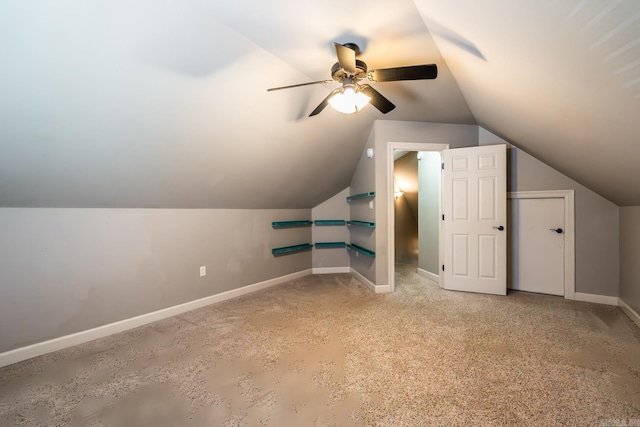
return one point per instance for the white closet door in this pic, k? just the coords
(538, 245)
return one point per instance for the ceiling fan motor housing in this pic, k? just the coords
(338, 74)
(354, 47)
(349, 70)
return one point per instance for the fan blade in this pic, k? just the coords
(413, 72)
(324, 103)
(346, 58)
(377, 100)
(298, 85)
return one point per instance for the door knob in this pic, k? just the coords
(499, 228)
(557, 230)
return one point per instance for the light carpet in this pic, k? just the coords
(324, 350)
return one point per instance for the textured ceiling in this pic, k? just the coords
(164, 104)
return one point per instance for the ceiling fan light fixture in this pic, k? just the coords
(352, 97)
(349, 100)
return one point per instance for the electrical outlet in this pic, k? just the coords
(371, 204)
(203, 270)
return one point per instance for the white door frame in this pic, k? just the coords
(391, 234)
(569, 231)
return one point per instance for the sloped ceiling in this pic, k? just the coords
(164, 104)
(560, 79)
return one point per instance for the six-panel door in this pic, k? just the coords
(474, 228)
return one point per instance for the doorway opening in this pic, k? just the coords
(471, 234)
(406, 208)
(423, 249)
(417, 184)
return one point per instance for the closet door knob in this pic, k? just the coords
(557, 230)
(499, 228)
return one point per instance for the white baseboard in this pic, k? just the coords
(597, 299)
(429, 275)
(378, 289)
(633, 315)
(331, 270)
(38, 349)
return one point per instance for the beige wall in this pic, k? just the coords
(630, 256)
(429, 173)
(596, 223)
(334, 208)
(69, 270)
(596, 219)
(363, 181)
(406, 209)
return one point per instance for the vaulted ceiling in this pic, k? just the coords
(164, 104)
(558, 78)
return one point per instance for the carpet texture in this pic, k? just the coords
(324, 350)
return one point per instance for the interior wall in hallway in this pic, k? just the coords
(406, 209)
(429, 178)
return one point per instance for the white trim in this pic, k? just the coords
(569, 232)
(38, 349)
(331, 270)
(378, 289)
(429, 275)
(596, 299)
(633, 315)
(391, 244)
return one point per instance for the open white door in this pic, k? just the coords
(474, 204)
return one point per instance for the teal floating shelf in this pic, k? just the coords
(282, 224)
(362, 250)
(289, 249)
(329, 245)
(326, 222)
(362, 224)
(362, 196)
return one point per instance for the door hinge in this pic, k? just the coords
(443, 166)
(443, 217)
(442, 267)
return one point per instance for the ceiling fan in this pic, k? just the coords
(352, 96)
